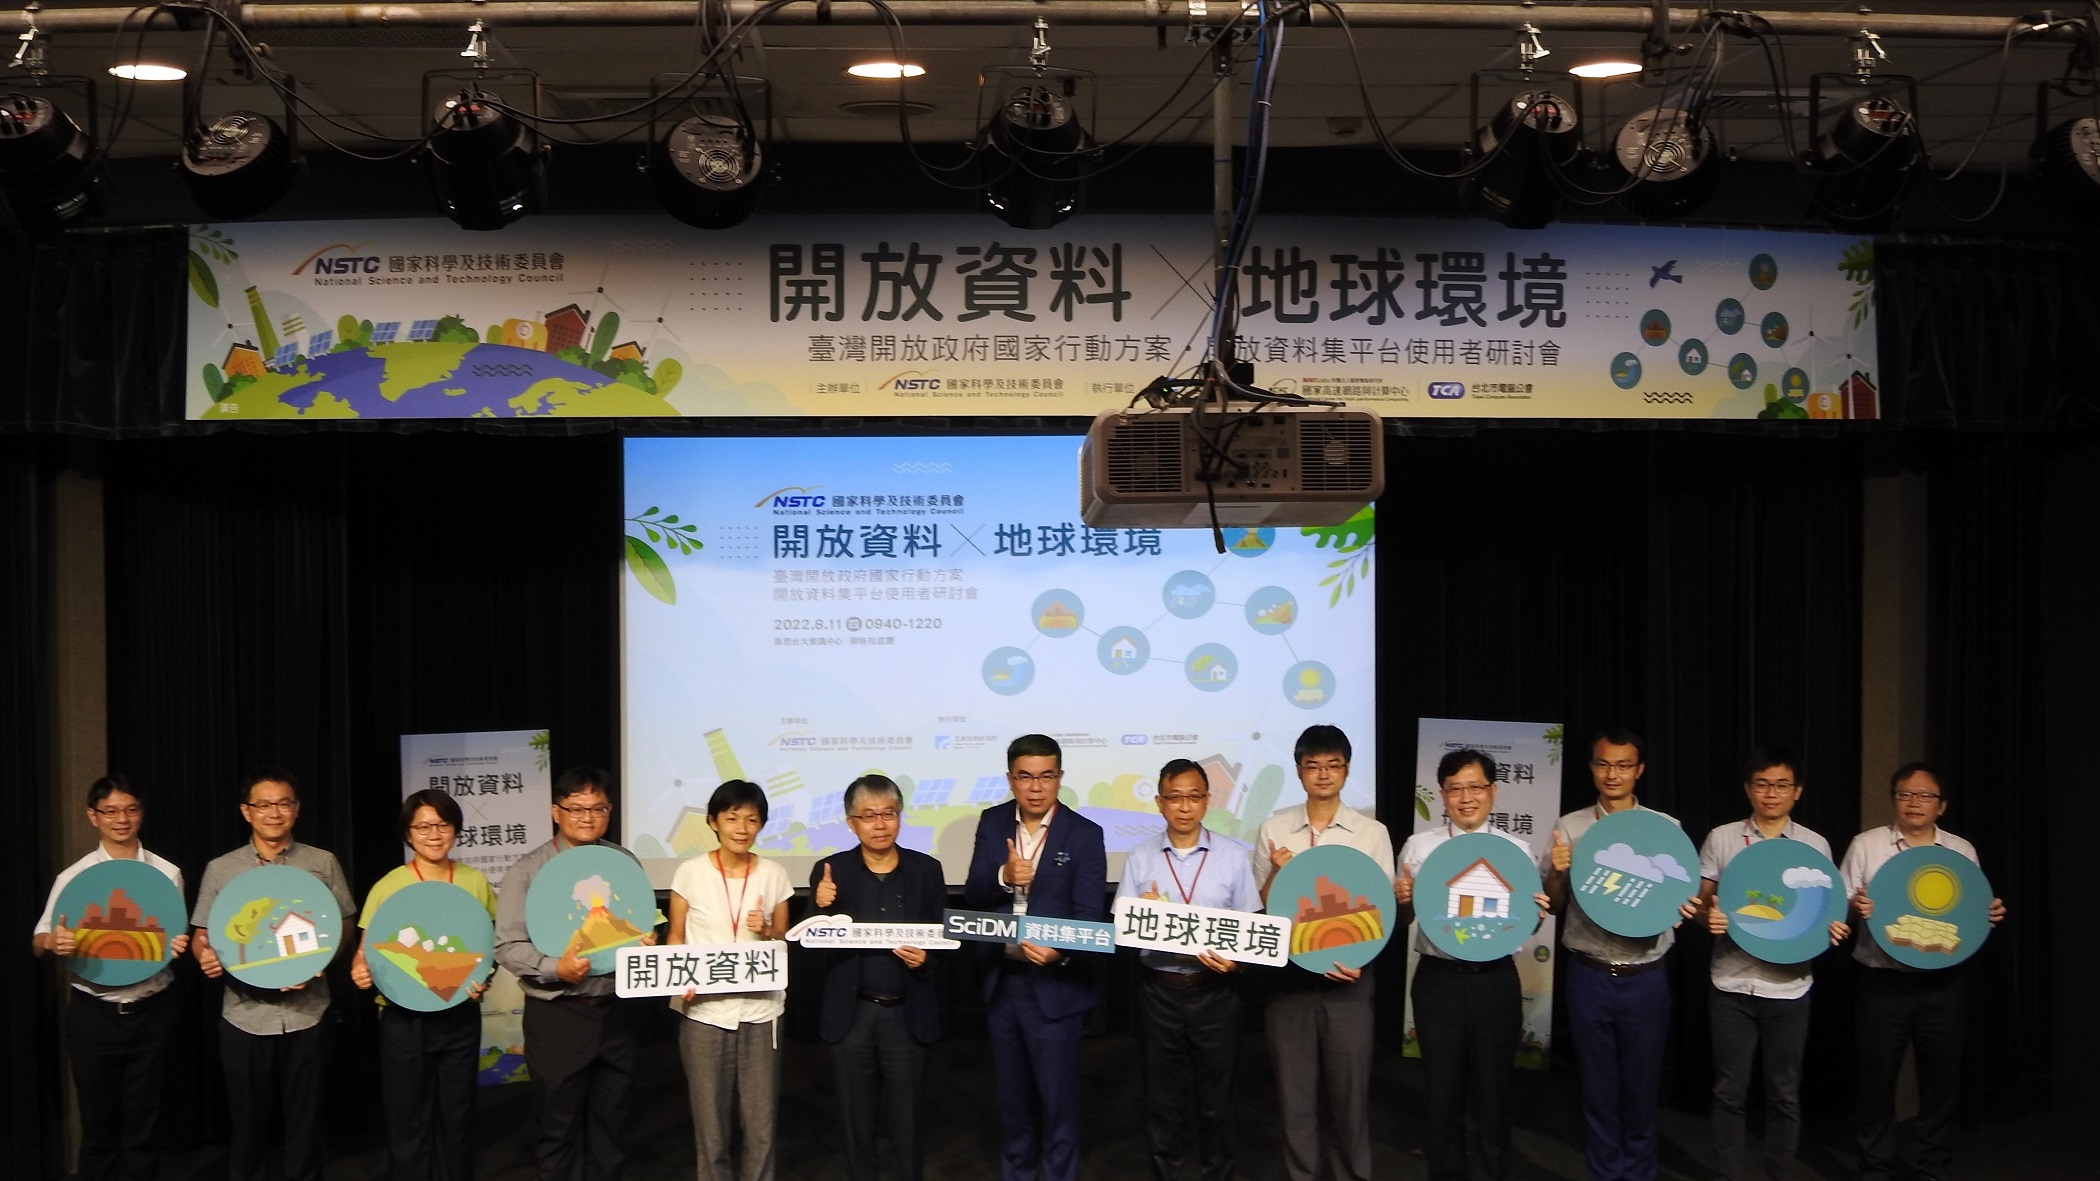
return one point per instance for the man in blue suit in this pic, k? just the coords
(1034, 857)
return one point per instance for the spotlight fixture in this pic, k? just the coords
(488, 168)
(1668, 164)
(890, 71)
(707, 171)
(1036, 158)
(1533, 134)
(148, 72)
(1862, 165)
(2067, 167)
(1605, 69)
(49, 169)
(239, 165)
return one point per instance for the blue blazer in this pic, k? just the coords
(1071, 882)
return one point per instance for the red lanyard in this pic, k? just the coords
(736, 915)
(449, 868)
(1190, 892)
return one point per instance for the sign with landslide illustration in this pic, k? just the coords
(1340, 903)
(1473, 898)
(428, 945)
(1932, 907)
(1631, 871)
(787, 315)
(123, 914)
(1780, 898)
(590, 899)
(274, 926)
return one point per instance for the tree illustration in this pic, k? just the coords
(1857, 263)
(455, 330)
(538, 743)
(668, 371)
(645, 563)
(1353, 540)
(602, 339)
(208, 245)
(1755, 896)
(246, 921)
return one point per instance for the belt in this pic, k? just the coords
(887, 1002)
(1202, 979)
(1468, 967)
(1612, 969)
(586, 1000)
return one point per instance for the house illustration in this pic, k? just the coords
(1215, 673)
(243, 360)
(1122, 651)
(627, 350)
(565, 326)
(295, 935)
(1478, 892)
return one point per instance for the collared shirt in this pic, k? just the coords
(1578, 932)
(1733, 969)
(96, 856)
(1417, 850)
(402, 876)
(1864, 858)
(270, 1011)
(535, 969)
(1290, 829)
(1215, 872)
(715, 907)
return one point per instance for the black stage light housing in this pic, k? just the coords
(1863, 163)
(2067, 167)
(50, 172)
(706, 172)
(1038, 154)
(238, 165)
(1668, 164)
(488, 168)
(1535, 134)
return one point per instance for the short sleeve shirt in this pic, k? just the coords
(96, 856)
(714, 913)
(1290, 829)
(1733, 969)
(1417, 850)
(269, 1011)
(1578, 932)
(1864, 858)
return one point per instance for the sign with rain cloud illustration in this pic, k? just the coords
(1473, 897)
(1932, 907)
(428, 945)
(122, 914)
(1631, 871)
(591, 899)
(274, 926)
(1780, 898)
(1340, 903)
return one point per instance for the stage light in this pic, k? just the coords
(49, 169)
(1668, 164)
(1862, 164)
(1530, 136)
(707, 171)
(239, 165)
(886, 70)
(1605, 69)
(149, 72)
(2067, 167)
(1036, 158)
(489, 169)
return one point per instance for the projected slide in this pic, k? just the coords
(799, 612)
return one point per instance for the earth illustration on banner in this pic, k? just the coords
(122, 914)
(428, 945)
(592, 900)
(1780, 898)
(1473, 897)
(1632, 871)
(1340, 904)
(274, 926)
(1932, 907)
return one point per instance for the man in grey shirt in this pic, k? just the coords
(580, 1040)
(273, 1043)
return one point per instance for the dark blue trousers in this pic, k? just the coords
(1036, 1063)
(1621, 1025)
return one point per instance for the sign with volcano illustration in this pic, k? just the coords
(428, 945)
(1780, 897)
(1631, 871)
(1932, 907)
(122, 915)
(593, 900)
(274, 926)
(1340, 904)
(1473, 898)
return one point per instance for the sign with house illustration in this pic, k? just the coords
(1931, 907)
(1632, 871)
(1340, 903)
(122, 914)
(274, 926)
(1473, 897)
(1780, 897)
(428, 945)
(592, 900)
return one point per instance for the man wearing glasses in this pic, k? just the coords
(580, 1041)
(1319, 1027)
(881, 1006)
(1034, 857)
(273, 1043)
(1900, 1006)
(1756, 1004)
(1190, 1004)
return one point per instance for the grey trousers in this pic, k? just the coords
(1747, 1030)
(1320, 1040)
(732, 1077)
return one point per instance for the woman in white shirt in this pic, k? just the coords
(730, 1042)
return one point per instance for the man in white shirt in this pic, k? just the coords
(1902, 1006)
(1755, 1004)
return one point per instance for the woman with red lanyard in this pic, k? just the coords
(428, 1061)
(730, 1042)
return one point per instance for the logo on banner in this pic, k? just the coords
(792, 496)
(911, 379)
(339, 264)
(1447, 389)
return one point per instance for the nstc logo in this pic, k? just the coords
(1447, 389)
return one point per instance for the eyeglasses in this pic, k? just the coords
(1622, 768)
(1468, 789)
(1336, 766)
(1905, 797)
(1043, 777)
(114, 813)
(601, 811)
(285, 805)
(431, 829)
(1185, 799)
(1772, 787)
(886, 816)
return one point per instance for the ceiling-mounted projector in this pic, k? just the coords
(1275, 464)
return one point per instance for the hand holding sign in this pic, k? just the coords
(573, 966)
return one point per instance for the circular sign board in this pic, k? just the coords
(592, 898)
(428, 945)
(274, 926)
(1473, 896)
(123, 914)
(1932, 907)
(1780, 898)
(1631, 871)
(1340, 903)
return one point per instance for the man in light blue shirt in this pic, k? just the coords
(1191, 1004)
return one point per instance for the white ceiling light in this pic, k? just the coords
(1605, 69)
(150, 72)
(886, 70)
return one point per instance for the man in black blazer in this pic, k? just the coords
(1034, 857)
(881, 1007)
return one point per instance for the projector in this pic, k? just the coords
(1278, 464)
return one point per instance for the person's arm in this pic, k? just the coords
(514, 947)
(54, 936)
(1558, 857)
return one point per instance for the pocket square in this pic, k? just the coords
(1064, 858)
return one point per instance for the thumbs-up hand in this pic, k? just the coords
(1152, 892)
(1404, 887)
(360, 971)
(207, 959)
(1020, 871)
(62, 942)
(755, 919)
(1863, 904)
(1277, 856)
(1560, 857)
(1716, 920)
(827, 891)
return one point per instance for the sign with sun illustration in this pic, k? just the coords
(1931, 907)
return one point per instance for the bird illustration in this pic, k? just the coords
(1667, 271)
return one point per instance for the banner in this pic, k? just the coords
(784, 315)
(840, 932)
(500, 781)
(1160, 924)
(1527, 802)
(701, 968)
(998, 926)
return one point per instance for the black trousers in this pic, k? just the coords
(880, 1072)
(1922, 1010)
(273, 1097)
(427, 1064)
(1469, 1019)
(117, 1051)
(1191, 1046)
(581, 1054)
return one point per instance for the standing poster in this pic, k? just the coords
(500, 780)
(1527, 801)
